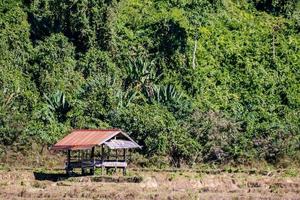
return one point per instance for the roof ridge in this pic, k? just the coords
(108, 129)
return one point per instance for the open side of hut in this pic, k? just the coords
(90, 149)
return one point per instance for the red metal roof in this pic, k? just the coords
(85, 139)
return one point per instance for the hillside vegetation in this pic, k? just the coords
(191, 80)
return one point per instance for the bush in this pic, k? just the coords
(220, 138)
(156, 129)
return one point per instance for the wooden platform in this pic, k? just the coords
(92, 164)
(111, 164)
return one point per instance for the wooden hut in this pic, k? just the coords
(90, 149)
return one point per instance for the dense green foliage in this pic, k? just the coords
(190, 80)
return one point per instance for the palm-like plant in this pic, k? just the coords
(58, 105)
(167, 93)
(125, 98)
(142, 74)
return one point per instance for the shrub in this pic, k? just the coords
(220, 138)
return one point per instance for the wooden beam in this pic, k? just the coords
(116, 159)
(124, 154)
(69, 157)
(102, 159)
(93, 153)
(108, 154)
(92, 170)
(68, 162)
(124, 157)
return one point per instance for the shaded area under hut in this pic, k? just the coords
(91, 149)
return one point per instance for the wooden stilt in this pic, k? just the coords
(124, 155)
(102, 159)
(68, 167)
(81, 160)
(116, 160)
(108, 154)
(92, 170)
(124, 158)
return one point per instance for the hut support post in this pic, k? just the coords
(68, 162)
(124, 157)
(102, 159)
(92, 170)
(116, 160)
(82, 161)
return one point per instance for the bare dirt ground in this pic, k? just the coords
(23, 184)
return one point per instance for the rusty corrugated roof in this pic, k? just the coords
(85, 139)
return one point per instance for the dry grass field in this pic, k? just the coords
(151, 184)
